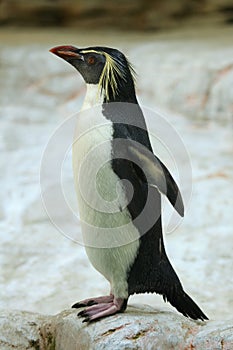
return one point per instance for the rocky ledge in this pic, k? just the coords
(141, 327)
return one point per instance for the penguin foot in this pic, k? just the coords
(103, 309)
(93, 301)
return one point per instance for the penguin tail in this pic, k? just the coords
(172, 291)
(185, 305)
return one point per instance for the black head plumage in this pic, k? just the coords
(107, 67)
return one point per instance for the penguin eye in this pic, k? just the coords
(91, 60)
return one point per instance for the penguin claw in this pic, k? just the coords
(93, 301)
(77, 305)
(82, 304)
(82, 313)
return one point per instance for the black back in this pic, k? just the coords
(145, 274)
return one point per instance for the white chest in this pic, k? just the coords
(92, 151)
(100, 192)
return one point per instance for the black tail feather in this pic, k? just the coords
(184, 304)
(172, 291)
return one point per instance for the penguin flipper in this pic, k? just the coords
(157, 174)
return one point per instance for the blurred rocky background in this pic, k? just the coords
(183, 54)
(124, 14)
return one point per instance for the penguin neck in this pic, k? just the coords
(125, 92)
(93, 97)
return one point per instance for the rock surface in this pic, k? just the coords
(141, 327)
(200, 86)
(20, 330)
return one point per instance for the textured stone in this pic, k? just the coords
(199, 86)
(141, 327)
(20, 330)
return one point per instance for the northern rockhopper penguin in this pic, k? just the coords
(141, 264)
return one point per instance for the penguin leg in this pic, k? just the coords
(93, 301)
(104, 309)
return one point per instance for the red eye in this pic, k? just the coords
(91, 60)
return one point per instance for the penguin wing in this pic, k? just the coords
(157, 174)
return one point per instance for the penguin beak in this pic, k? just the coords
(67, 52)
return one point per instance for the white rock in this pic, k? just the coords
(141, 327)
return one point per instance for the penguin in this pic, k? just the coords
(139, 263)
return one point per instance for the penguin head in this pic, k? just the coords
(106, 67)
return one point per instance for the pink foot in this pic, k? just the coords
(103, 309)
(93, 301)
